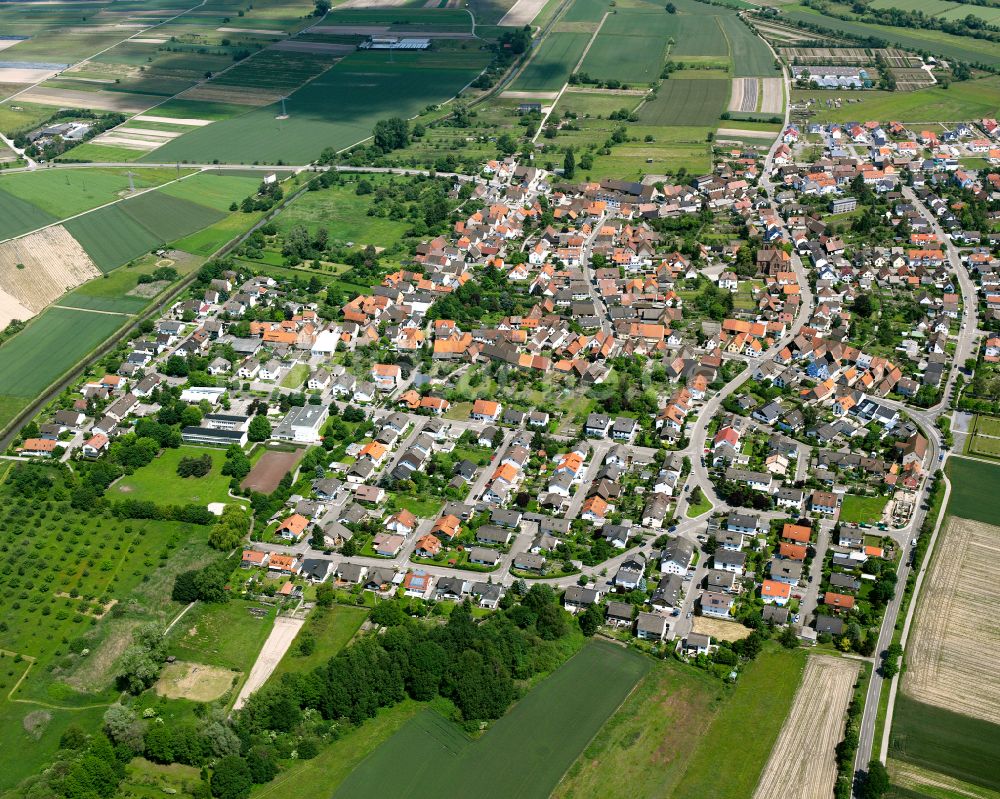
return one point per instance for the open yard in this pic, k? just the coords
(344, 214)
(803, 755)
(862, 510)
(159, 481)
(955, 644)
(523, 754)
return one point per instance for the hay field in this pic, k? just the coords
(951, 658)
(37, 269)
(802, 764)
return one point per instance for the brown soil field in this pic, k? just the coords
(194, 681)
(744, 94)
(772, 101)
(51, 261)
(951, 657)
(802, 764)
(268, 471)
(102, 101)
(242, 95)
(719, 629)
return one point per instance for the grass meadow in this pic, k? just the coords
(331, 628)
(523, 754)
(226, 635)
(862, 510)
(159, 481)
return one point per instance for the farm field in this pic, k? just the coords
(337, 109)
(552, 63)
(159, 481)
(730, 756)
(216, 190)
(961, 101)
(642, 750)
(751, 57)
(65, 336)
(66, 192)
(586, 11)
(262, 79)
(594, 103)
(954, 644)
(431, 756)
(18, 216)
(937, 42)
(686, 102)
(862, 510)
(945, 742)
(970, 482)
(62, 687)
(803, 755)
(331, 629)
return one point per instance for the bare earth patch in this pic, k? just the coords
(773, 101)
(282, 634)
(952, 655)
(722, 630)
(35, 723)
(268, 471)
(802, 764)
(522, 12)
(194, 681)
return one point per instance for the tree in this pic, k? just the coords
(322, 6)
(123, 727)
(260, 761)
(569, 164)
(324, 595)
(137, 669)
(875, 783)
(231, 778)
(863, 306)
(590, 620)
(259, 430)
(391, 134)
(671, 8)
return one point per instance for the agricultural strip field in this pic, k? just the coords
(970, 482)
(933, 738)
(730, 756)
(586, 11)
(955, 644)
(263, 79)
(119, 233)
(965, 100)
(215, 190)
(552, 63)
(751, 57)
(686, 102)
(337, 110)
(803, 755)
(642, 750)
(18, 216)
(37, 268)
(943, 44)
(523, 754)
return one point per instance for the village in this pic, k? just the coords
(565, 390)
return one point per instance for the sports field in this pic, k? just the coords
(551, 65)
(523, 754)
(337, 109)
(686, 102)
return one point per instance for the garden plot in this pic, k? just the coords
(773, 96)
(803, 755)
(951, 658)
(37, 269)
(745, 93)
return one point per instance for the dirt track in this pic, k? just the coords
(802, 764)
(951, 657)
(277, 643)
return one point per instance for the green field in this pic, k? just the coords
(962, 101)
(344, 214)
(275, 70)
(523, 754)
(629, 59)
(586, 11)
(732, 753)
(552, 63)
(18, 216)
(331, 629)
(118, 233)
(217, 190)
(225, 635)
(866, 510)
(410, 19)
(641, 752)
(687, 102)
(64, 337)
(110, 292)
(938, 739)
(337, 109)
(159, 481)
(970, 482)
(207, 241)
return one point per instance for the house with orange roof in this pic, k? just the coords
(448, 526)
(595, 509)
(427, 546)
(385, 376)
(486, 410)
(283, 564)
(254, 559)
(436, 405)
(292, 528)
(798, 533)
(775, 592)
(838, 601)
(402, 522)
(37, 447)
(375, 451)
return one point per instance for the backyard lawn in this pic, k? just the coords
(159, 481)
(862, 510)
